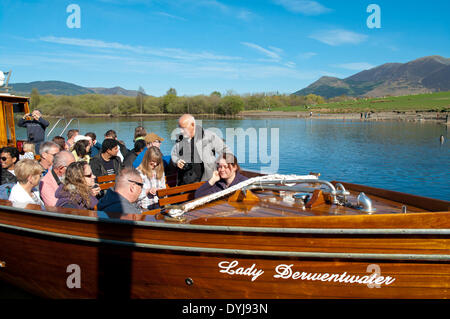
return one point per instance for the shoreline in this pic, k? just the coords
(414, 116)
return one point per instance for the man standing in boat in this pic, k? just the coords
(195, 151)
(35, 125)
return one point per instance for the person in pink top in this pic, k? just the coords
(50, 182)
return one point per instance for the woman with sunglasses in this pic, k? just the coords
(152, 172)
(227, 175)
(78, 190)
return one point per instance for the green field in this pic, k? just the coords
(437, 102)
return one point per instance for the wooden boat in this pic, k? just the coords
(309, 239)
(253, 246)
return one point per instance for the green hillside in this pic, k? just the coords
(439, 101)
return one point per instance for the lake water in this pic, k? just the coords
(402, 156)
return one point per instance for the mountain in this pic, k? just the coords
(65, 88)
(427, 74)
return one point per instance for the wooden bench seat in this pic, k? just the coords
(106, 181)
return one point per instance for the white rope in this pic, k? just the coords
(278, 178)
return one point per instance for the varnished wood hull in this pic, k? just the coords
(139, 259)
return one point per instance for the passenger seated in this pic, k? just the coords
(51, 181)
(81, 149)
(29, 151)
(139, 146)
(227, 175)
(78, 190)
(28, 173)
(9, 158)
(152, 174)
(125, 194)
(107, 162)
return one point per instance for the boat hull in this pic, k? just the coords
(56, 257)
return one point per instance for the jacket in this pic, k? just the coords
(207, 189)
(97, 167)
(35, 129)
(47, 188)
(7, 177)
(113, 202)
(64, 200)
(208, 146)
(95, 149)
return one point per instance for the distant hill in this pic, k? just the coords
(65, 88)
(427, 74)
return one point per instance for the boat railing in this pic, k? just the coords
(65, 127)
(275, 185)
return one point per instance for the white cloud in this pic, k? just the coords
(271, 54)
(338, 37)
(356, 66)
(171, 16)
(307, 55)
(173, 53)
(307, 7)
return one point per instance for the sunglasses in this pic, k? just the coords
(137, 183)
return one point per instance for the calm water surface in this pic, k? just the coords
(401, 156)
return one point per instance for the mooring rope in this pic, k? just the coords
(278, 178)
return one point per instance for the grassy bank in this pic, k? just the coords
(431, 102)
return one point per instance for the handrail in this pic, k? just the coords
(54, 126)
(69, 124)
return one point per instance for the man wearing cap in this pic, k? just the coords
(151, 139)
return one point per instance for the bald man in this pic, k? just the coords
(126, 192)
(50, 182)
(195, 151)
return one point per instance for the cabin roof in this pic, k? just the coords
(13, 98)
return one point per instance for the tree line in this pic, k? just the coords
(170, 103)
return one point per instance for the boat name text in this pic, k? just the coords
(284, 271)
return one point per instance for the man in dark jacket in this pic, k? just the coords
(123, 150)
(126, 192)
(106, 162)
(9, 158)
(35, 125)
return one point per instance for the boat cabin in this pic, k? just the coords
(10, 105)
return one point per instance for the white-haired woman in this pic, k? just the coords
(28, 173)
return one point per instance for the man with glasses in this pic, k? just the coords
(50, 182)
(107, 162)
(126, 192)
(9, 157)
(47, 152)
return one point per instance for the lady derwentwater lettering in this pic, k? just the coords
(284, 271)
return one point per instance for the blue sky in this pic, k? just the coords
(199, 46)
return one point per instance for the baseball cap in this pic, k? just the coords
(151, 137)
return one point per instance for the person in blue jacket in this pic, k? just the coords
(151, 139)
(35, 125)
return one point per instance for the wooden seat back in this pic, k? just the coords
(178, 194)
(106, 181)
